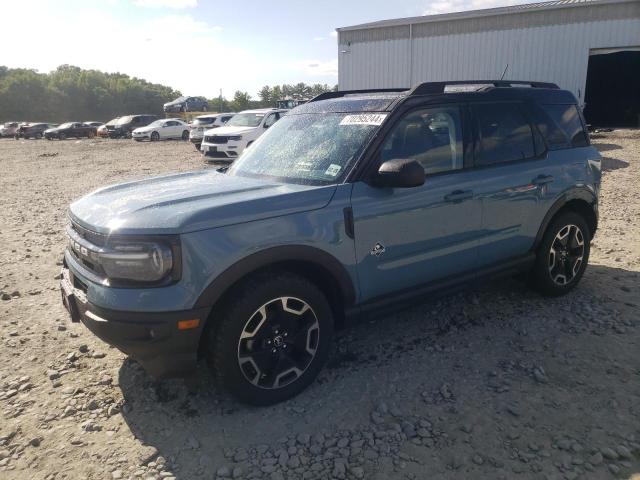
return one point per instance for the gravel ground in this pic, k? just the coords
(493, 383)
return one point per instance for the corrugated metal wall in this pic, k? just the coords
(379, 58)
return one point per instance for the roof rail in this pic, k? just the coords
(342, 93)
(431, 88)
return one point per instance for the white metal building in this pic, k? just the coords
(551, 41)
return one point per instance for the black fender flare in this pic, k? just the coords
(273, 256)
(577, 193)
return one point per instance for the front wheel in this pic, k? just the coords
(271, 338)
(562, 256)
(155, 136)
(61, 136)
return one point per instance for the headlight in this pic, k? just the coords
(235, 138)
(120, 261)
(139, 261)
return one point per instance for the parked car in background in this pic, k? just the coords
(164, 129)
(103, 131)
(187, 104)
(123, 126)
(206, 122)
(9, 129)
(70, 129)
(31, 130)
(228, 142)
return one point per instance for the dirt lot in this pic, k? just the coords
(494, 383)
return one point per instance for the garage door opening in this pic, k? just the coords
(612, 96)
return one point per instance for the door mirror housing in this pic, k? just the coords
(399, 173)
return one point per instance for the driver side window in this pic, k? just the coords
(431, 136)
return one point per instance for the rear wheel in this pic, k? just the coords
(91, 134)
(185, 135)
(155, 136)
(38, 135)
(562, 256)
(61, 136)
(272, 338)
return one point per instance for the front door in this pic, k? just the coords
(413, 236)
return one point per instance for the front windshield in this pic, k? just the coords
(245, 120)
(123, 120)
(308, 148)
(157, 123)
(66, 125)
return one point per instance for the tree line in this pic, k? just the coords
(72, 93)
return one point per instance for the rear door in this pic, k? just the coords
(513, 175)
(406, 237)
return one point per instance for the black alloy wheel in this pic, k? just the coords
(562, 256)
(271, 339)
(566, 254)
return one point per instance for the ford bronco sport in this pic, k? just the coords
(351, 203)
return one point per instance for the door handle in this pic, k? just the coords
(542, 180)
(458, 196)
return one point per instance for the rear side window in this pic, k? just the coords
(504, 134)
(561, 126)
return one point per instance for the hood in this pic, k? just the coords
(143, 129)
(229, 130)
(192, 201)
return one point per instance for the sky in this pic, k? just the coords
(198, 46)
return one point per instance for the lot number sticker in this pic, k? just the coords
(364, 119)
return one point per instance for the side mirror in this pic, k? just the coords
(399, 173)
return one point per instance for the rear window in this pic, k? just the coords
(505, 134)
(562, 126)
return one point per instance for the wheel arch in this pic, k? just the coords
(318, 266)
(580, 200)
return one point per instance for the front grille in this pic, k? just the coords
(216, 139)
(97, 239)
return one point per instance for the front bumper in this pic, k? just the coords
(153, 339)
(140, 136)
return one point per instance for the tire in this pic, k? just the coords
(91, 134)
(38, 136)
(563, 255)
(48, 138)
(197, 145)
(185, 135)
(293, 323)
(62, 136)
(155, 136)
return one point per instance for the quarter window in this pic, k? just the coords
(431, 136)
(504, 134)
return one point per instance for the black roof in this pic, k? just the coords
(386, 99)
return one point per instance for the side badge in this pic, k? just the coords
(378, 249)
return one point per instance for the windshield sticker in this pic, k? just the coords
(333, 170)
(364, 119)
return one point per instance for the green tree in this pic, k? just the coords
(241, 101)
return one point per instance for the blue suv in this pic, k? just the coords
(352, 203)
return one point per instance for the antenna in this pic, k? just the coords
(505, 71)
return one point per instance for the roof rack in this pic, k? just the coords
(342, 93)
(432, 88)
